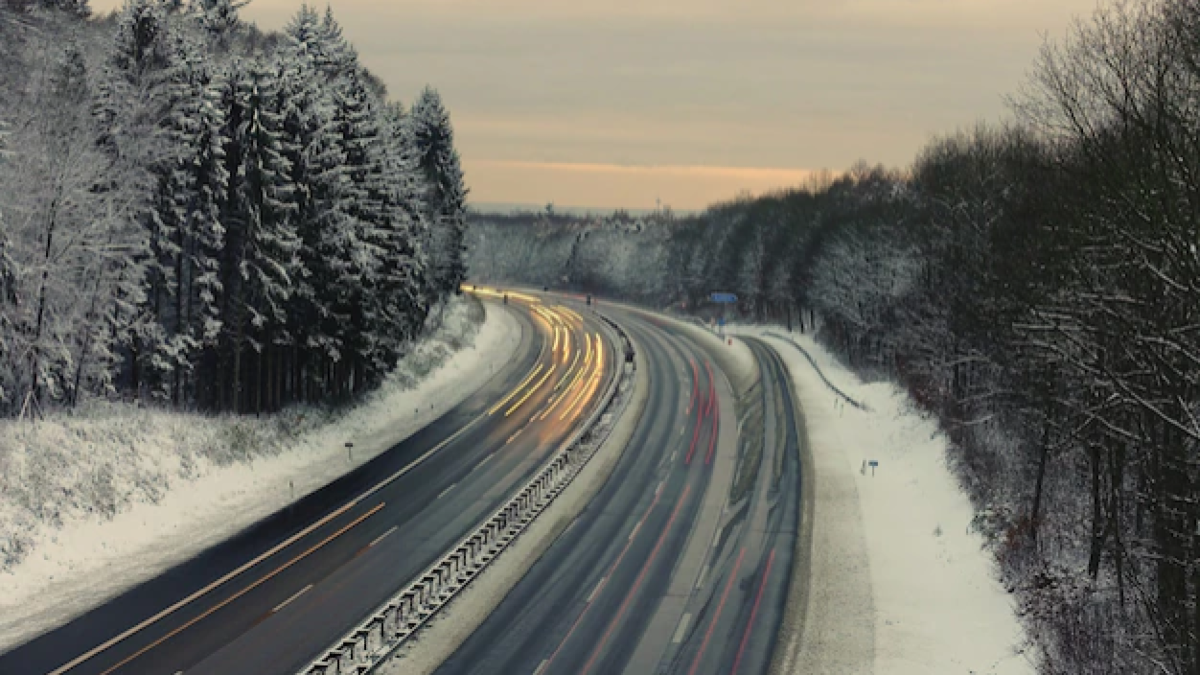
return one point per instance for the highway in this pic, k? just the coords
(734, 625)
(591, 604)
(270, 599)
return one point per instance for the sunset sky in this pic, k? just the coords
(618, 102)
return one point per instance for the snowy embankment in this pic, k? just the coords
(94, 503)
(934, 598)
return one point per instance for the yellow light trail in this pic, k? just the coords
(555, 349)
(574, 362)
(594, 377)
(518, 389)
(566, 393)
(567, 345)
(498, 294)
(530, 392)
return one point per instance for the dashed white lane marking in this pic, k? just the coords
(443, 492)
(635, 530)
(381, 537)
(700, 579)
(682, 629)
(596, 590)
(285, 603)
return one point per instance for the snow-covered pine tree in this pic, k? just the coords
(406, 205)
(399, 302)
(187, 223)
(318, 309)
(338, 58)
(446, 193)
(260, 254)
(219, 18)
(360, 137)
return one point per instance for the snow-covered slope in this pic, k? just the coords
(93, 504)
(938, 606)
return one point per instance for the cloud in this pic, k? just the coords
(765, 83)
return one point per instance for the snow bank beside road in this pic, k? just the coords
(938, 606)
(92, 505)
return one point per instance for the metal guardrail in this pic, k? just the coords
(846, 397)
(369, 644)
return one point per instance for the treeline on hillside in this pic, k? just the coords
(194, 211)
(1036, 286)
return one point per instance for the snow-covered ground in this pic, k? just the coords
(938, 606)
(92, 504)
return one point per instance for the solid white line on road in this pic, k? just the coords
(485, 460)
(596, 590)
(443, 492)
(380, 537)
(682, 629)
(283, 604)
(659, 490)
(541, 667)
(635, 530)
(700, 579)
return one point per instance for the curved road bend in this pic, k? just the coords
(586, 605)
(271, 598)
(734, 621)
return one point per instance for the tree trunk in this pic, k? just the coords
(35, 363)
(1043, 461)
(85, 349)
(258, 378)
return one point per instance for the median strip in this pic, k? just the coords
(364, 648)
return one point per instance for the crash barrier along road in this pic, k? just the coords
(369, 644)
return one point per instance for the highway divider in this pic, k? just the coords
(368, 645)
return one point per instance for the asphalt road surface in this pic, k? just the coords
(586, 605)
(270, 599)
(732, 628)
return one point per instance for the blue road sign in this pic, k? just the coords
(721, 321)
(723, 297)
(873, 464)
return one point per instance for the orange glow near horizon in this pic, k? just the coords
(581, 184)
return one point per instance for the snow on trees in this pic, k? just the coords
(205, 217)
(433, 136)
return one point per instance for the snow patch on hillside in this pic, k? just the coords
(94, 503)
(939, 606)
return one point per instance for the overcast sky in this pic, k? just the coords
(619, 102)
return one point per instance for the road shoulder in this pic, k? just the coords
(829, 624)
